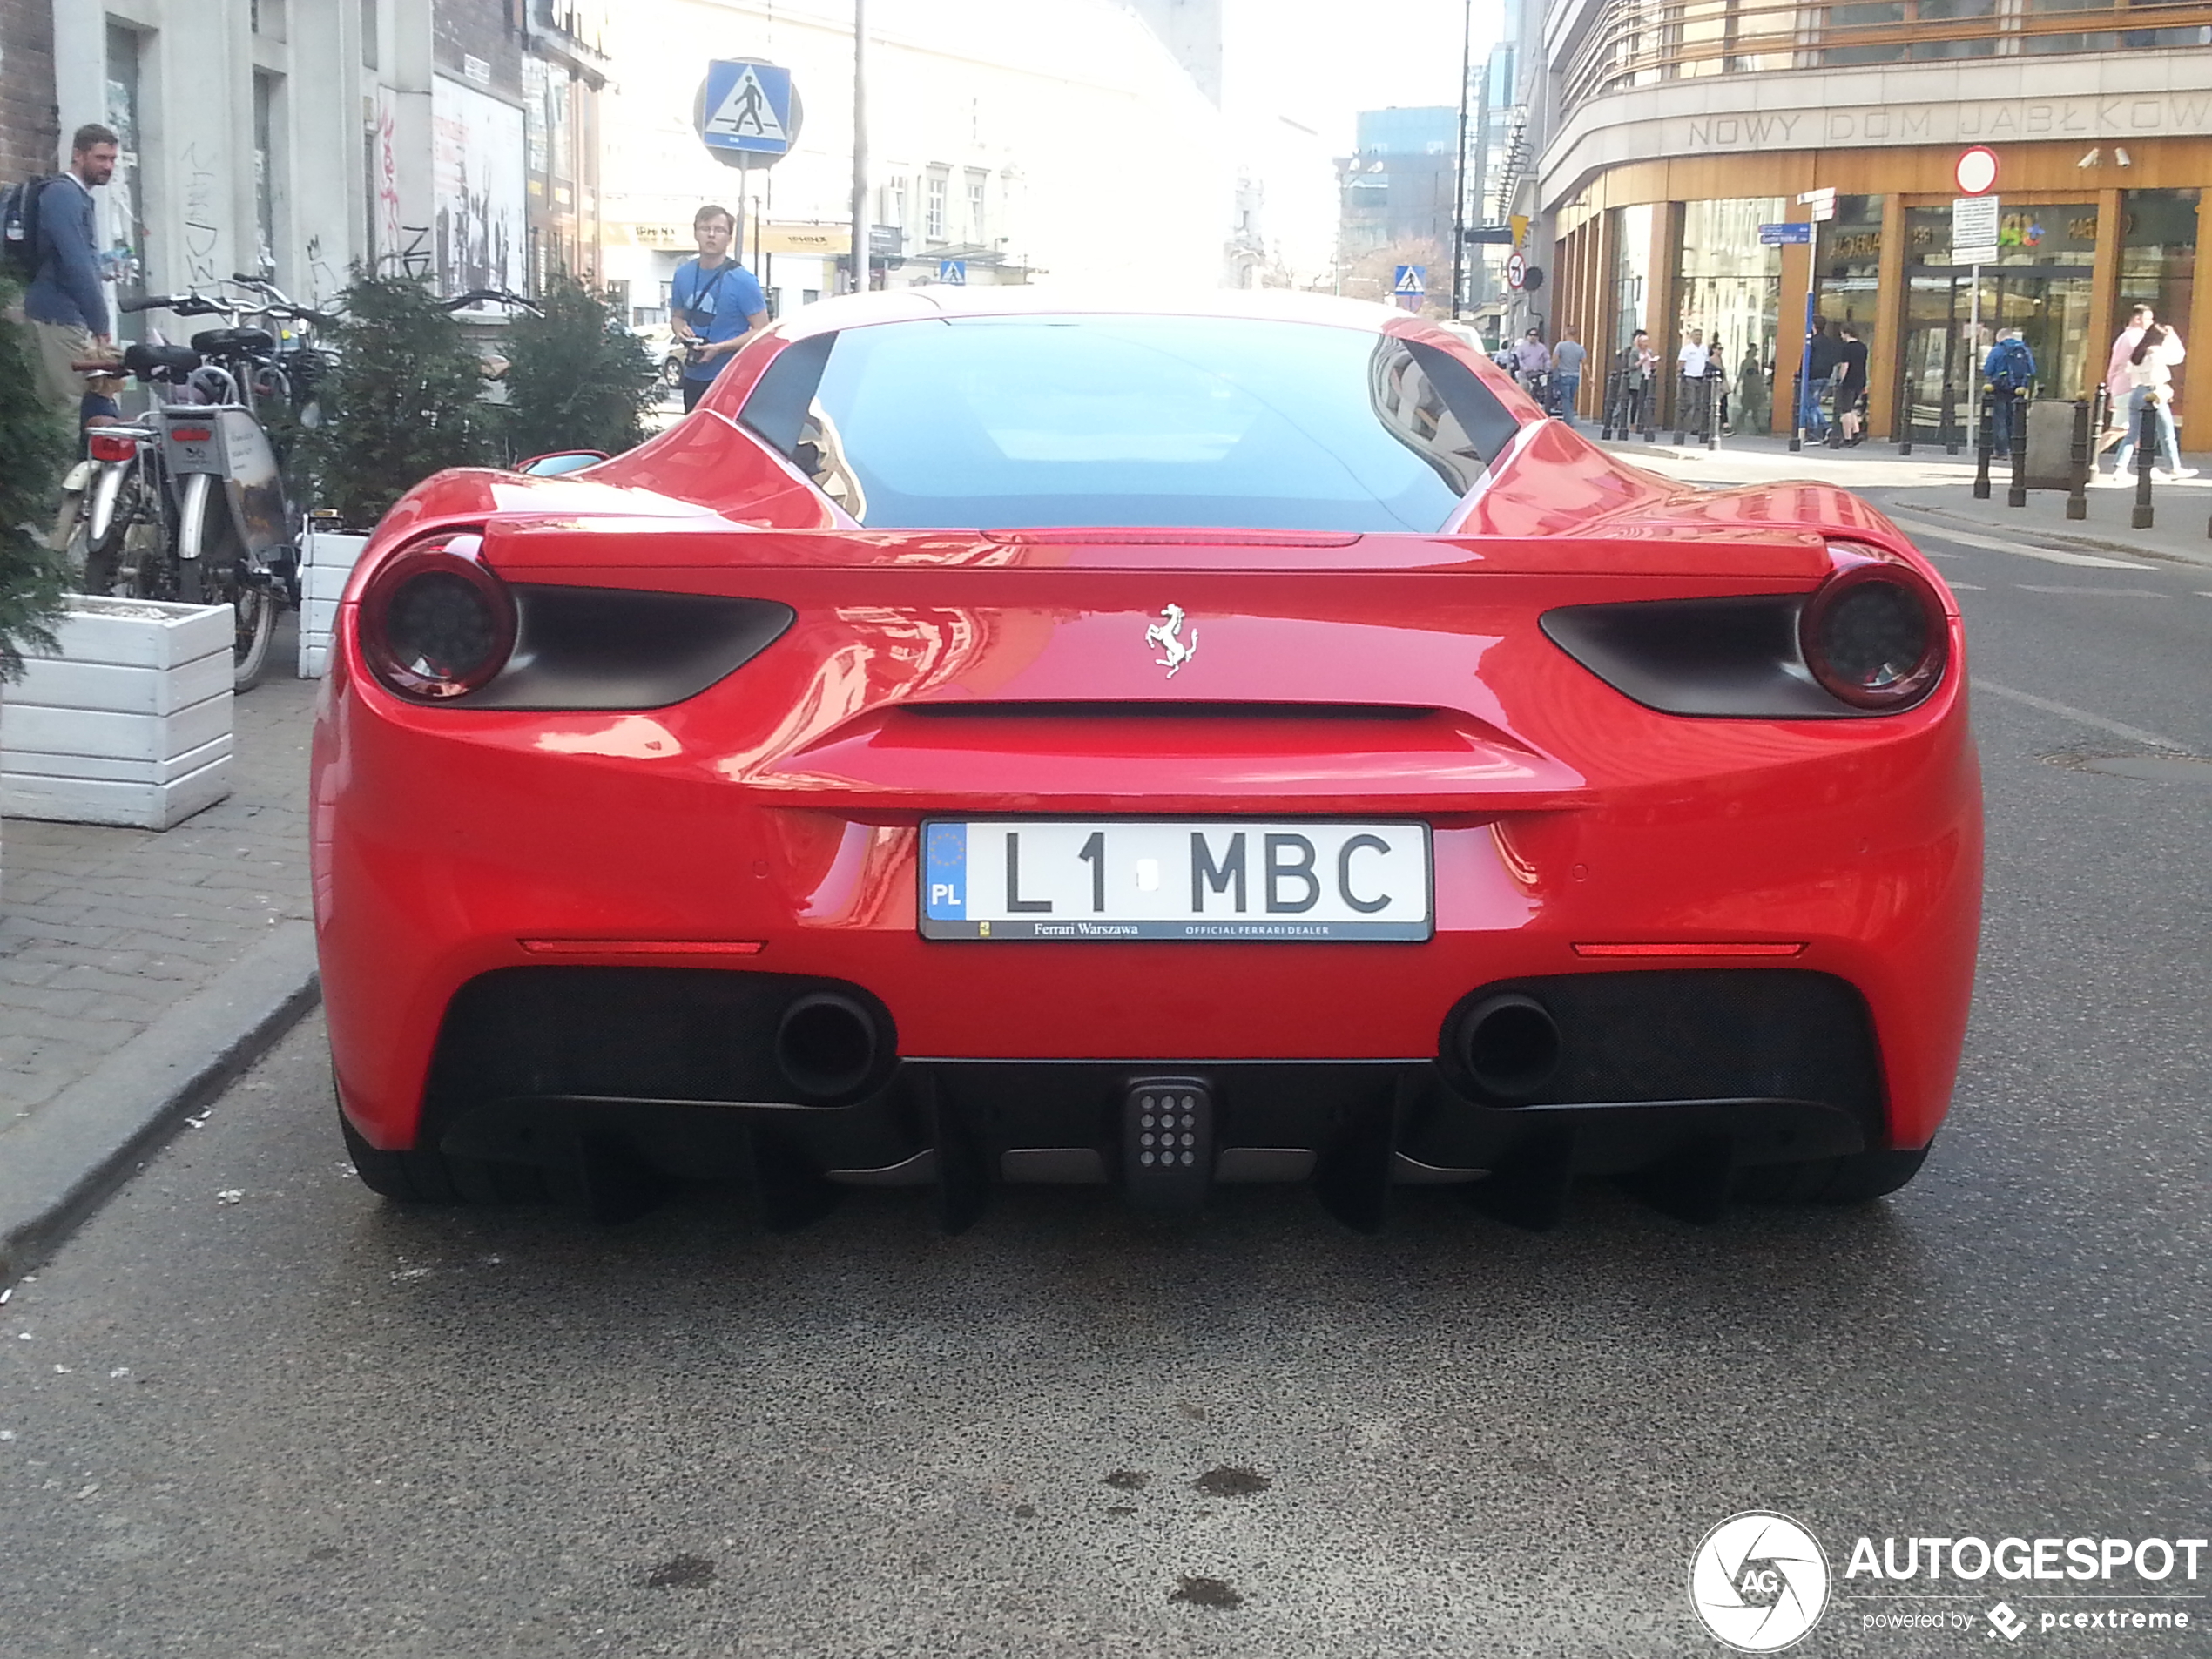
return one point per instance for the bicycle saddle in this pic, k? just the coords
(225, 342)
(169, 362)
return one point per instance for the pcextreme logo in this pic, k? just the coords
(1759, 1581)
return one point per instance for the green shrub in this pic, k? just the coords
(35, 451)
(576, 378)
(402, 399)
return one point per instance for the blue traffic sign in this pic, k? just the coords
(1779, 235)
(1411, 280)
(953, 271)
(748, 108)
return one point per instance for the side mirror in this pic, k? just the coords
(556, 461)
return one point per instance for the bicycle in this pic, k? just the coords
(199, 480)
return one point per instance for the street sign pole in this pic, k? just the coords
(859, 257)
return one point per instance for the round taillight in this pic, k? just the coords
(435, 624)
(1875, 635)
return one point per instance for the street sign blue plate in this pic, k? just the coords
(1780, 235)
(748, 108)
(1411, 280)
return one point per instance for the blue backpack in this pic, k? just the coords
(2015, 366)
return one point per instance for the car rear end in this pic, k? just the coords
(1643, 843)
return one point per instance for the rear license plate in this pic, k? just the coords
(1174, 879)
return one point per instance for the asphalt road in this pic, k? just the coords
(249, 1410)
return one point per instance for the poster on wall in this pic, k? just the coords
(478, 180)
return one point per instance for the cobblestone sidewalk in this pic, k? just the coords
(102, 931)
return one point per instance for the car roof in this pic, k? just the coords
(945, 300)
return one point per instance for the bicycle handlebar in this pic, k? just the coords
(184, 305)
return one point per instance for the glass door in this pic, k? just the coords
(1939, 368)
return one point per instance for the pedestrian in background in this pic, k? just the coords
(1638, 366)
(1532, 357)
(713, 301)
(1823, 352)
(2117, 385)
(64, 304)
(2150, 375)
(1752, 406)
(1716, 380)
(1690, 365)
(2007, 372)
(1568, 358)
(1850, 384)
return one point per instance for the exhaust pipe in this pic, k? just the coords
(826, 1045)
(1509, 1045)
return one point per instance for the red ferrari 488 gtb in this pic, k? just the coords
(992, 741)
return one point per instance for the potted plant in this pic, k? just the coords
(116, 711)
(403, 399)
(576, 378)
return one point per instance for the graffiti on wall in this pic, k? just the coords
(384, 168)
(478, 159)
(203, 186)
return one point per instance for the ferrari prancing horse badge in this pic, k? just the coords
(1166, 635)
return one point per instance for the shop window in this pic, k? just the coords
(1631, 271)
(265, 168)
(1730, 289)
(2158, 259)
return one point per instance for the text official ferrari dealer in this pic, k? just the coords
(993, 742)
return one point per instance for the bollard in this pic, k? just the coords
(2077, 498)
(1949, 432)
(2141, 518)
(2017, 425)
(1798, 432)
(1612, 396)
(1647, 397)
(1712, 413)
(1985, 444)
(1681, 399)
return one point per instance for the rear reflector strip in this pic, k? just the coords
(1671, 949)
(643, 947)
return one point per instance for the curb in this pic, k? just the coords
(2071, 539)
(76, 1150)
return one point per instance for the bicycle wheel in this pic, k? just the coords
(255, 608)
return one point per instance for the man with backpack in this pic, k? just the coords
(2009, 370)
(52, 241)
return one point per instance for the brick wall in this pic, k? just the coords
(29, 124)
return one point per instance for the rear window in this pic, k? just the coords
(1003, 423)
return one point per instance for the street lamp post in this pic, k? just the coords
(1459, 165)
(859, 257)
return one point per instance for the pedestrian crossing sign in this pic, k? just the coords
(1412, 280)
(748, 108)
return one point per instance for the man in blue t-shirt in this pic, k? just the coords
(713, 299)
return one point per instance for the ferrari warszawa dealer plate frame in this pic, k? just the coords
(1224, 880)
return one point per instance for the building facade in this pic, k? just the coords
(300, 140)
(1396, 197)
(1673, 132)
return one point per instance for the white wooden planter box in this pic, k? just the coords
(129, 721)
(325, 563)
